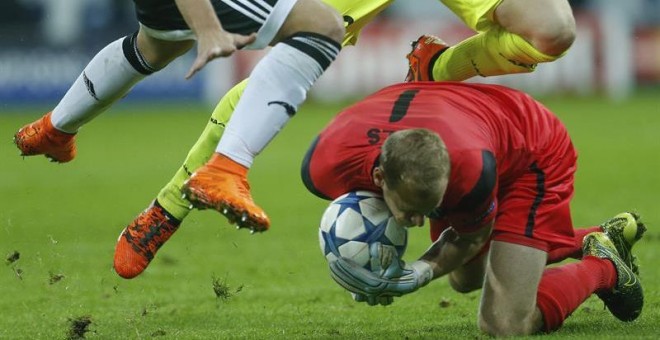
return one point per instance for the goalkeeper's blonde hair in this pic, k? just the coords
(417, 159)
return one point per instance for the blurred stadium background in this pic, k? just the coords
(45, 45)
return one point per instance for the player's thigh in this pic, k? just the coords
(508, 301)
(470, 276)
(534, 208)
(312, 16)
(236, 16)
(477, 14)
(162, 20)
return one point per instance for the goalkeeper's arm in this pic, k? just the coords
(450, 251)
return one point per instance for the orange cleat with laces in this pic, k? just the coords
(221, 184)
(425, 51)
(138, 243)
(42, 138)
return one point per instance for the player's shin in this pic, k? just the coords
(171, 195)
(107, 78)
(278, 85)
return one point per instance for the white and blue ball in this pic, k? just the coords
(353, 222)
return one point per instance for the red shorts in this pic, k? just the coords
(534, 208)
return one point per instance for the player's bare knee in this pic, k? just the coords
(555, 39)
(491, 327)
(548, 25)
(464, 286)
(484, 325)
(331, 24)
(498, 320)
(315, 17)
(502, 325)
(334, 27)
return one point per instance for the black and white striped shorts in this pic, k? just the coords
(162, 19)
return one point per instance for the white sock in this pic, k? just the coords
(107, 78)
(277, 86)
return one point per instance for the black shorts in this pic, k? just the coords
(236, 16)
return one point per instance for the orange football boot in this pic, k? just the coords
(138, 243)
(425, 51)
(221, 184)
(42, 138)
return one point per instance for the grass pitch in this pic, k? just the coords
(59, 223)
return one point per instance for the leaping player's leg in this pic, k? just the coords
(514, 36)
(142, 238)
(309, 41)
(491, 53)
(169, 202)
(109, 76)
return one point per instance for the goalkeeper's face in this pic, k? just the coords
(407, 205)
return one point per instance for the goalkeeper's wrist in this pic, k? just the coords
(424, 272)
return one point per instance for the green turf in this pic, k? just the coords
(64, 220)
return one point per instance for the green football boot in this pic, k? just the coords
(626, 299)
(624, 230)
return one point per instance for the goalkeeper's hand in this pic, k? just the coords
(384, 260)
(373, 300)
(382, 257)
(396, 279)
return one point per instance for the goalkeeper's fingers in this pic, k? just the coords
(381, 256)
(358, 297)
(373, 300)
(385, 300)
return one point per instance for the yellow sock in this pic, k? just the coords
(170, 195)
(490, 53)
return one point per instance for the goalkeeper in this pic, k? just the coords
(494, 171)
(505, 43)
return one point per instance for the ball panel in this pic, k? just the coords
(349, 225)
(397, 234)
(322, 242)
(356, 251)
(374, 209)
(329, 217)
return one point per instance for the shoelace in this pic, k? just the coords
(150, 240)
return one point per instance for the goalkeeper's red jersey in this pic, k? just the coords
(498, 139)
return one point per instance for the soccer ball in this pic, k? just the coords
(353, 222)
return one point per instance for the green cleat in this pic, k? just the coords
(624, 230)
(626, 299)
